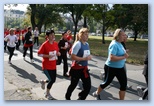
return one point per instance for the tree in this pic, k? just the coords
(131, 16)
(42, 14)
(102, 14)
(76, 11)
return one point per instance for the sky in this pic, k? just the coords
(22, 7)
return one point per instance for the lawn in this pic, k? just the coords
(137, 49)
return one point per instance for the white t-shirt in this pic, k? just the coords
(36, 33)
(12, 40)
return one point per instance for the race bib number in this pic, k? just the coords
(54, 56)
(86, 53)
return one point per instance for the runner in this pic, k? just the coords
(49, 51)
(11, 40)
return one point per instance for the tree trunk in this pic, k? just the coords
(75, 30)
(85, 22)
(135, 35)
(33, 11)
(103, 32)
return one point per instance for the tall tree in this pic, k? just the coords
(131, 16)
(102, 14)
(43, 14)
(76, 11)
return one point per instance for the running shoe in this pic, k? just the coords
(97, 97)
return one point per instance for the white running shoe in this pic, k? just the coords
(32, 61)
(97, 97)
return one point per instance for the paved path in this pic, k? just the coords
(21, 80)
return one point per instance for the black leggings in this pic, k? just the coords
(65, 66)
(36, 40)
(51, 75)
(31, 51)
(75, 76)
(110, 73)
(11, 50)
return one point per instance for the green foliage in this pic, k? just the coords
(137, 50)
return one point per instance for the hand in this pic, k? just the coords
(88, 57)
(64, 48)
(58, 54)
(127, 50)
(126, 55)
(50, 56)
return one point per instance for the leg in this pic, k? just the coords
(18, 43)
(11, 50)
(122, 78)
(59, 60)
(122, 95)
(110, 74)
(25, 51)
(86, 87)
(5, 45)
(65, 66)
(74, 81)
(37, 41)
(34, 40)
(31, 52)
(145, 94)
(51, 74)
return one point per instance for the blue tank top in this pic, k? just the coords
(81, 50)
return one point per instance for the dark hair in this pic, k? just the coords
(48, 32)
(29, 28)
(64, 33)
(52, 31)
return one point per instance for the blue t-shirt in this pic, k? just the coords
(115, 48)
(81, 50)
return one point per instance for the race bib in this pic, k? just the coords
(11, 43)
(54, 56)
(66, 44)
(86, 53)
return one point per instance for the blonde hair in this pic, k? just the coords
(117, 34)
(11, 30)
(76, 38)
(82, 31)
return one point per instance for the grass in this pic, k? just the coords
(137, 49)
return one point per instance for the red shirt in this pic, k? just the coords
(17, 33)
(69, 37)
(6, 33)
(24, 31)
(45, 48)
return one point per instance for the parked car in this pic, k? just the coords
(109, 35)
(98, 34)
(129, 35)
(144, 36)
(93, 34)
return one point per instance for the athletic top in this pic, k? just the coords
(36, 33)
(24, 31)
(12, 40)
(6, 33)
(47, 48)
(117, 49)
(17, 33)
(81, 50)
